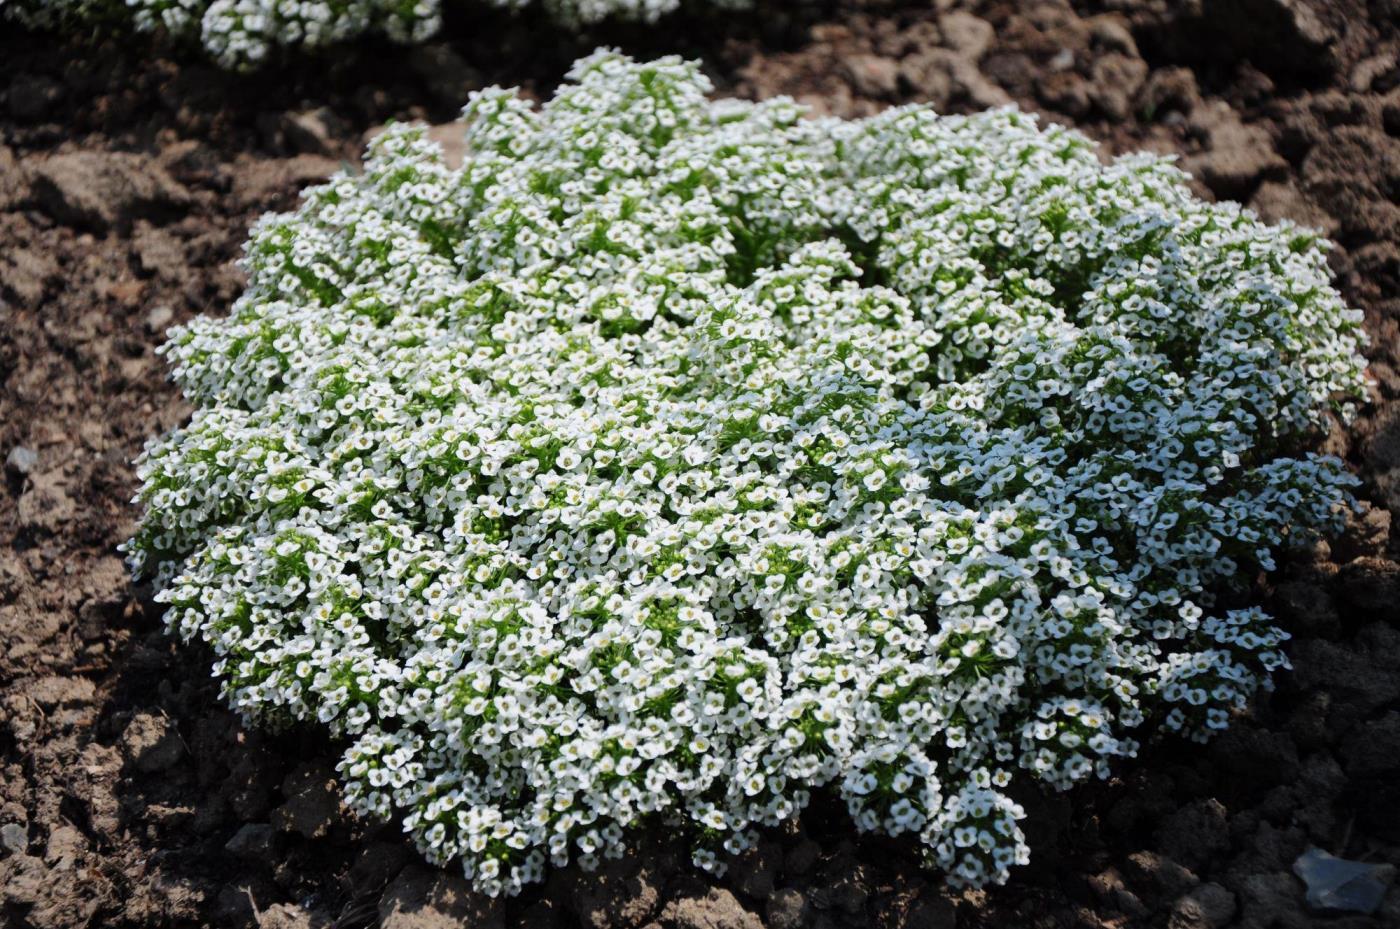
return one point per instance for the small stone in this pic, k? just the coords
(14, 839)
(1208, 906)
(21, 460)
(1340, 885)
(252, 842)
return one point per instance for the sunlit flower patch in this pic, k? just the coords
(246, 33)
(672, 460)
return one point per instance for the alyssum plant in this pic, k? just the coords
(672, 460)
(244, 33)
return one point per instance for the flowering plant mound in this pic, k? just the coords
(673, 459)
(243, 33)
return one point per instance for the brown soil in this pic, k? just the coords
(128, 177)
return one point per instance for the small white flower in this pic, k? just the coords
(620, 490)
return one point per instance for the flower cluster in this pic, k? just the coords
(244, 33)
(671, 460)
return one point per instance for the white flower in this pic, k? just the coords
(684, 458)
(244, 33)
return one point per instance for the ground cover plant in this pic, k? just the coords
(245, 33)
(672, 459)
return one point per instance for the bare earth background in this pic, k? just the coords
(128, 177)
